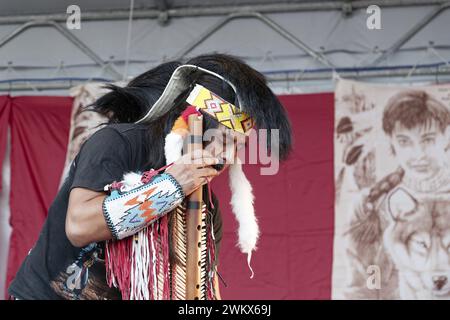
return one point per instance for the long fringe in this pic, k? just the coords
(118, 265)
(164, 234)
(139, 266)
(134, 265)
(211, 252)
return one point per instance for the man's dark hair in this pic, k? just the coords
(414, 108)
(130, 103)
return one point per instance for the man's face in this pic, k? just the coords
(420, 151)
(225, 144)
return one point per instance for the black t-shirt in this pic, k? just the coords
(54, 269)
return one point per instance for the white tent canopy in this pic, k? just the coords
(297, 44)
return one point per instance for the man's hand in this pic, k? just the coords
(193, 170)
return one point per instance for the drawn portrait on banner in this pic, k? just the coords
(392, 178)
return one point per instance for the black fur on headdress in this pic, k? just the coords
(255, 97)
(130, 103)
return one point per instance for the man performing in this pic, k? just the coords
(121, 225)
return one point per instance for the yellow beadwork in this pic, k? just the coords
(224, 112)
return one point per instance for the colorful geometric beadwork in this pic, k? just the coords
(224, 112)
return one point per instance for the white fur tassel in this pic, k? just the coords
(131, 180)
(173, 147)
(242, 207)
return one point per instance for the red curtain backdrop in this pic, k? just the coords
(4, 120)
(39, 133)
(294, 207)
(296, 214)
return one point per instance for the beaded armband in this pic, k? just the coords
(127, 211)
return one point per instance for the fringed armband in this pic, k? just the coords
(128, 211)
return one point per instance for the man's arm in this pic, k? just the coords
(85, 222)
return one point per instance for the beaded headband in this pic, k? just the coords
(224, 112)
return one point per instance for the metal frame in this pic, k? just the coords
(164, 12)
(411, 33)
(66, 34)
(270, 23)
(275, 7)
(437, 72)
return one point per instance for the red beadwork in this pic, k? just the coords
(148, 175)
(116, 185)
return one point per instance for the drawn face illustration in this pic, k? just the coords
(420, 151)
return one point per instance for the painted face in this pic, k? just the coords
(420, 151)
